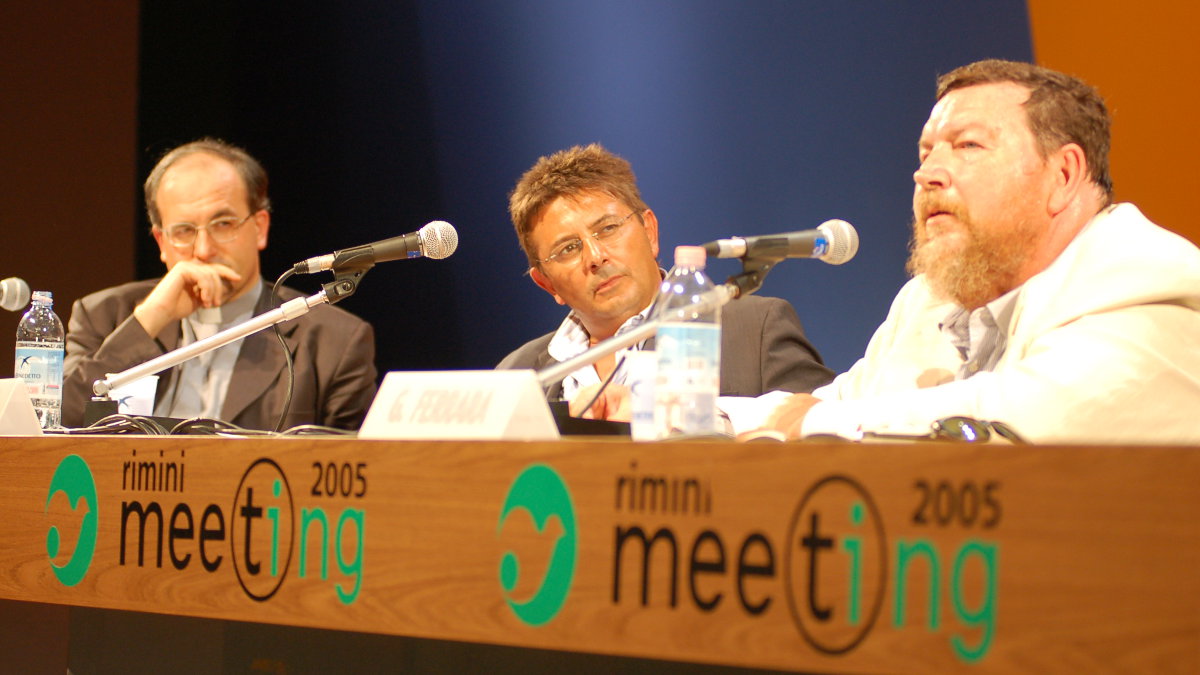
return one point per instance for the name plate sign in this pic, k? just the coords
(460, 405)
(17, 416)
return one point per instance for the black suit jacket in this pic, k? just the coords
(763, 348)
(333, 352)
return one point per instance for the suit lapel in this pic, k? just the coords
(259, 363)
(544, 360)
(169, 339)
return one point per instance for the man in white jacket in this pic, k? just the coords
(1036, 301)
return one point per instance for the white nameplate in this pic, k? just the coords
(460, 404)
(17, 417)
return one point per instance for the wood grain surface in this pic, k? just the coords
(821, 557)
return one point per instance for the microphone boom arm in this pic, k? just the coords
(547, 376)
(754, 270)
(550, 375)
(287, 311)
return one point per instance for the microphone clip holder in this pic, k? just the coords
(345, 280)
(754, 272)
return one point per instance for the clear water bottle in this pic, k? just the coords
(39, 363)
(688, 348)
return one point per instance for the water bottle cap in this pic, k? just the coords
(690, 256)
(43, 296)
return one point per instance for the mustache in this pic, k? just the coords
(603, 274)
(929, 203)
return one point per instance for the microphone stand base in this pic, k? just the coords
(97, 409)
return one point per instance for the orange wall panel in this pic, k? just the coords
(1144, 59)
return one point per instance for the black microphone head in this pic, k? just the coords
(439, 239)
(843, 241)
(14, 294)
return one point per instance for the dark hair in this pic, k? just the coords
(252, 173)
(1061, 109)
(569, 173)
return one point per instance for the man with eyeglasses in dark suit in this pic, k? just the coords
(210, 215)
(592, 244)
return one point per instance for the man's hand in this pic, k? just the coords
(187, 286)
(614, 404)
(789, 416)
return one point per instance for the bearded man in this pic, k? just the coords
(1036, 301)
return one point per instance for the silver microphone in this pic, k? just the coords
(14, 294)
(834, 242)
(436, 240)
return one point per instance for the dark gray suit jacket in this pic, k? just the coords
(333, 352)
(763, 349)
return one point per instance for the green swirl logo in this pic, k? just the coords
(74, 479)
(541, 492)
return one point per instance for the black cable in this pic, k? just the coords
(287, 353)
(316, 430)
(195, 426)
(206, 426)
(603, 385)
(119, 424)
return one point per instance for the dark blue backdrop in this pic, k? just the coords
(739, 118)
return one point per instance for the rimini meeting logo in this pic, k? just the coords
(73, 478)
(540, 493)
(836, 542)
(841, 569)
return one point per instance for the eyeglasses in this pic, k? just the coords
(958, 428)
(569, 252)
(220, 230)
(971, 430)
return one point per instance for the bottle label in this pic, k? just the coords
(641, 368)
(688, 379)
(40, 366)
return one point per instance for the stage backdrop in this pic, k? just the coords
(739, 118)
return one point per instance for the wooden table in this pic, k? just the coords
(813, 557)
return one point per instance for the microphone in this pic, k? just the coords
(834, 242)
(14, 294)
(436, 240)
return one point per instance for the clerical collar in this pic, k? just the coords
(230, 311)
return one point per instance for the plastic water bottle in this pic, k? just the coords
(688, 348)
(39, 363)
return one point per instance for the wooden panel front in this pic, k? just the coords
(876, 559)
